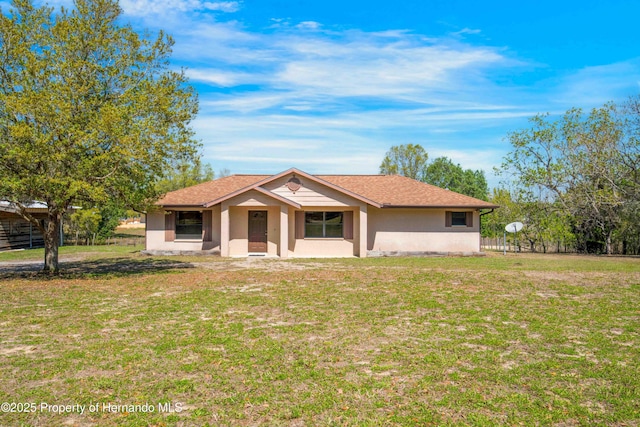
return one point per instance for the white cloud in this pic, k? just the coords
(223, 6)
(162, 7)
(217, 77)
(309, 25)
(331, 100)
(466, 31)
(475, 158)
(320, 68)
(388, 70)
(591, 87)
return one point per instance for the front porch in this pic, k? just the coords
(284, 231)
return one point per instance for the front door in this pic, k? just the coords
(257, 231)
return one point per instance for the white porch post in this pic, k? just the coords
(284, 231)
(363, 231)
(224, 230)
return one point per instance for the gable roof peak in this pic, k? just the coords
(376, 190)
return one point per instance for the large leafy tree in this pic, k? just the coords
(411, 160)
(584, 165)
(90, 111)
(408, 160)
(184, 174)
(446, 174)
(544, 224)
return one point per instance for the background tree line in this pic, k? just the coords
(576, 179)
(412, 161)
(573, 181)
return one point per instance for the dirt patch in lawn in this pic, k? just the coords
(263, 264)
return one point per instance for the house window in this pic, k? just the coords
(459, 219)
(188, 225)
(323, 224)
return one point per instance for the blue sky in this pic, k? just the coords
(328, 86)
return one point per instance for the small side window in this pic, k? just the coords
(459, 219)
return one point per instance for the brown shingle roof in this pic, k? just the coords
(396, 190)
(201, 194)
(384, 190)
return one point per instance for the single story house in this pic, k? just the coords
(297, 214)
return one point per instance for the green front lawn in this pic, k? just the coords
(516, 340)
(99, 251)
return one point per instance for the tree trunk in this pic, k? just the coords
(609, 243)
(51, 243)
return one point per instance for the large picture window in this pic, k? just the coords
(188, 225)
(323, 224)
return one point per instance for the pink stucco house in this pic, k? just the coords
(296, 214)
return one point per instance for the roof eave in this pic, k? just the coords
(386, 205)
(173, 205)
(249, 188)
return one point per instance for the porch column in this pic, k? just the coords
(284, 232)
(363, 231)
(224, 230)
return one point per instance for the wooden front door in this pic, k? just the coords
(257, 231)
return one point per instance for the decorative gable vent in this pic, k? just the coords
(293, 184)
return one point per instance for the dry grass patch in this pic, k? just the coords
(492, 341)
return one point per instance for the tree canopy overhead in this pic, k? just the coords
(90, 111)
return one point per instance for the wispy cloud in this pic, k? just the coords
(593, 86)
(466, 31)
(309, 25)
(154, 7)
(320, 98)
(334, 99)
(322, 65)
(218, 77)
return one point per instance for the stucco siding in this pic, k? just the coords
(419, 230)
(155, 234)
(216, 227)
(323, 248)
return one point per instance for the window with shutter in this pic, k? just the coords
(458, 219)
(324, 225)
